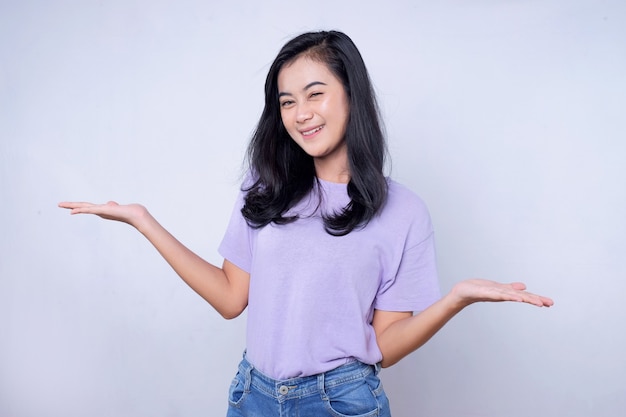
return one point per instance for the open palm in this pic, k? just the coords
(477, 290)
(128, 213)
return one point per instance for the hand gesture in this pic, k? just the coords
(130, 213)
(476, 290)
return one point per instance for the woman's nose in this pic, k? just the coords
(304, 114)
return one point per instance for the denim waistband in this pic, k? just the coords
(303, 386)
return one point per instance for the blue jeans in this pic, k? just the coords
(351, 390)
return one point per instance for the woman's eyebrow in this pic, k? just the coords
(306, 87)
(314, 83)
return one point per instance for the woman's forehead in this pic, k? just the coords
(302, 71)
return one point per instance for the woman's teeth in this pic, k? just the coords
(310, 132)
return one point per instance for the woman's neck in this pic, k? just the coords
(333, 168)
(342, 177)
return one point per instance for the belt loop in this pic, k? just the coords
(377, 368)
(320, 386)
(248, 372)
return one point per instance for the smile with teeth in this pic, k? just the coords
(312, 131)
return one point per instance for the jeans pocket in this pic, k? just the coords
(237, 391)
(358, 398)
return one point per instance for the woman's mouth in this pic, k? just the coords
(312, 131)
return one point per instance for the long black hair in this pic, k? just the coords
(283, 173)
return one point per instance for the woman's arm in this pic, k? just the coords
(400, 333)
(226, 288)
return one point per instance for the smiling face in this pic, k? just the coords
(314, 109)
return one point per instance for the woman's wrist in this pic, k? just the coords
(455, 299)
(142, 220)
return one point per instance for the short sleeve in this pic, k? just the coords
(415, 286)
(410, 281)
(237, 243)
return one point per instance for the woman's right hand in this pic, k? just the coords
(128, 213)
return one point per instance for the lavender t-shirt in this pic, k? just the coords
(312, 295)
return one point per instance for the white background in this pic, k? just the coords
(507, 117)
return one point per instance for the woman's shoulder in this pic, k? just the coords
(402, 196)
(406, 212)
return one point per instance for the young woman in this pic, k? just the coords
(334, 261)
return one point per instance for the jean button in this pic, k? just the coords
(283, 389)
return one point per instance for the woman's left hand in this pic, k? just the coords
(477, 290)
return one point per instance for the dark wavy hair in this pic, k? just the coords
(283, 173)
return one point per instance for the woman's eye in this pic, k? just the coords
(286, 103)
(316, 94)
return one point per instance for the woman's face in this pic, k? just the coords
(314, 109)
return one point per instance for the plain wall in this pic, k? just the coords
(507, 117)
